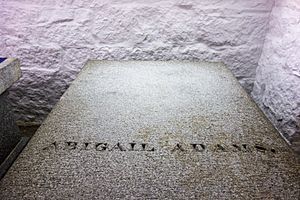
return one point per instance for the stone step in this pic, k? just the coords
(154, 130)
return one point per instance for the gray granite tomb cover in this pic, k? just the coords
(154, 130)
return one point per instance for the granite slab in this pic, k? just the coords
(9, 72)
(154, 130)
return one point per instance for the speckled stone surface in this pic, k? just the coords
(154, 130)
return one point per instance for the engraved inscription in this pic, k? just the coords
(146, 147)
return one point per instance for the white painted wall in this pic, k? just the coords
(54, 38)
(277, 85)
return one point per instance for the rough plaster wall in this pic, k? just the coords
(277, 86)
(54, 38)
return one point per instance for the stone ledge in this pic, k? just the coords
(9, 73)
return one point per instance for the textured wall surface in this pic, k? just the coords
(277, 86)
(53, 39)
